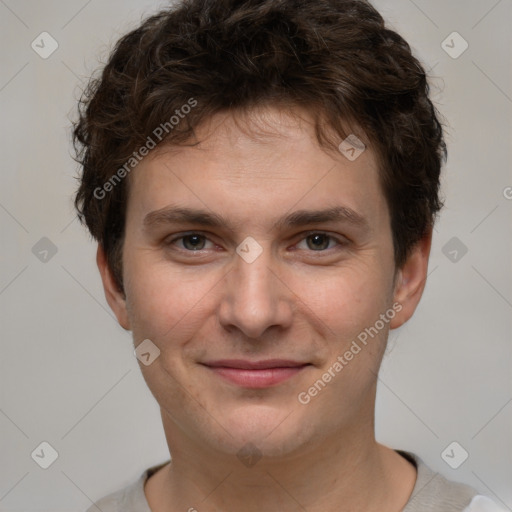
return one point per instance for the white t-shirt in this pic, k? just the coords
(483, 504)
(432, 493)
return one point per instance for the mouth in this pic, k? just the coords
(256, 374)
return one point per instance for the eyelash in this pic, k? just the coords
(340, 241)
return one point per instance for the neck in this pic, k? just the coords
(344, 471)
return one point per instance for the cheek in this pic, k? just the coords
(162, 300)
(345, 300)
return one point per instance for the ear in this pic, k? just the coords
(411, 279)
(114, 296)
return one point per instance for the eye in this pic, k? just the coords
(319, 242)
(191, 242)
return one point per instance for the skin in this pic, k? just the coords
(296, 301)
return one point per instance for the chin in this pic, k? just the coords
(267, 431)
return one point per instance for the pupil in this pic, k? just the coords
(194, 239)
(317, 241)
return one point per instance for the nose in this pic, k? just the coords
(255, 297)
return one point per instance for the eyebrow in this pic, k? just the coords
(176, 215)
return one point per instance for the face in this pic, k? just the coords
(256, 262)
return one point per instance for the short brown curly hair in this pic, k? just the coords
(335, 58)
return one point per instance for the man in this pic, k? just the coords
(262, 179)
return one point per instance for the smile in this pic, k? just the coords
(257, 374)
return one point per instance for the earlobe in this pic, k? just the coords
(411, 280)
(114, 296)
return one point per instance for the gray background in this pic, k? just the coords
(67, 371)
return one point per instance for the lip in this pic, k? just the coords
(256, 374)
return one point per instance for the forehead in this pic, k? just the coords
(257, 161)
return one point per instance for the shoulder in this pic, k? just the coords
(483, 504)
(124, 500)
(129, 499)
(109, 503)
(433, 492)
